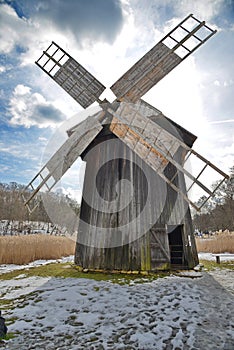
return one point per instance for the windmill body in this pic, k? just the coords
(146, 227)
(135, 211)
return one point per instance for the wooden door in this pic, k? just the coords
(159, 249)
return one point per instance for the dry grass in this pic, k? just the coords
(216, 244)
(24, 249)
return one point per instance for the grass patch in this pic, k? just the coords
(20, 302)
(27, 248)
(11, 320)
(8, 336)
(13, 274)
(62, 270)
(212, 265)
(6, 304)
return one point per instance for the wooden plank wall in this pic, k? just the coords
(137, 254)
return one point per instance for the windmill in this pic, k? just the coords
(135, 211)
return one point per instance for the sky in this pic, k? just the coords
(107, 37)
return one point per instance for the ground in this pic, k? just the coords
(187, 311)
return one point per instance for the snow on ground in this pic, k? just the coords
(14, 227)
(11, 267)
(169, 313)
(212, 257)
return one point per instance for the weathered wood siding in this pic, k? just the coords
(127, 249)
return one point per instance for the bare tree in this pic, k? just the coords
(219, 215)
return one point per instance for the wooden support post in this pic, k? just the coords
(218, 259)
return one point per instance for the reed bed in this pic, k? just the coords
(25, 249)
(216, 244)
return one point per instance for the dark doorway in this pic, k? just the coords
(176, 246)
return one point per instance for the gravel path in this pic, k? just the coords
(171, 313)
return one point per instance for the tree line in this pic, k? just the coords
(218, 213)
(13, 209)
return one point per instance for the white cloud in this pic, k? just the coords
(217, 144)
(43, 139)
(22, 32)
(4, 168)
(71, 183)
(21, 90)
(227, 83)
(178, 96)
(90, 20)
(16, 150)
(13, 30)
(28, 109)
(68, 23)
(224, 83)
(205, 9)
(222, 121)
(2, 69)
(70, 192)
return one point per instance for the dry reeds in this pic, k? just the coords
(24, 249)
(216, 244)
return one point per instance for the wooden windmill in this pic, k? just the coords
(146, 225)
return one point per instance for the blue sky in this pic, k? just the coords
(108, 37)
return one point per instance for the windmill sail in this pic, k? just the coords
(178, 44)
(131, 123)
(70, 75)
(62, 160)
(158, 148)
